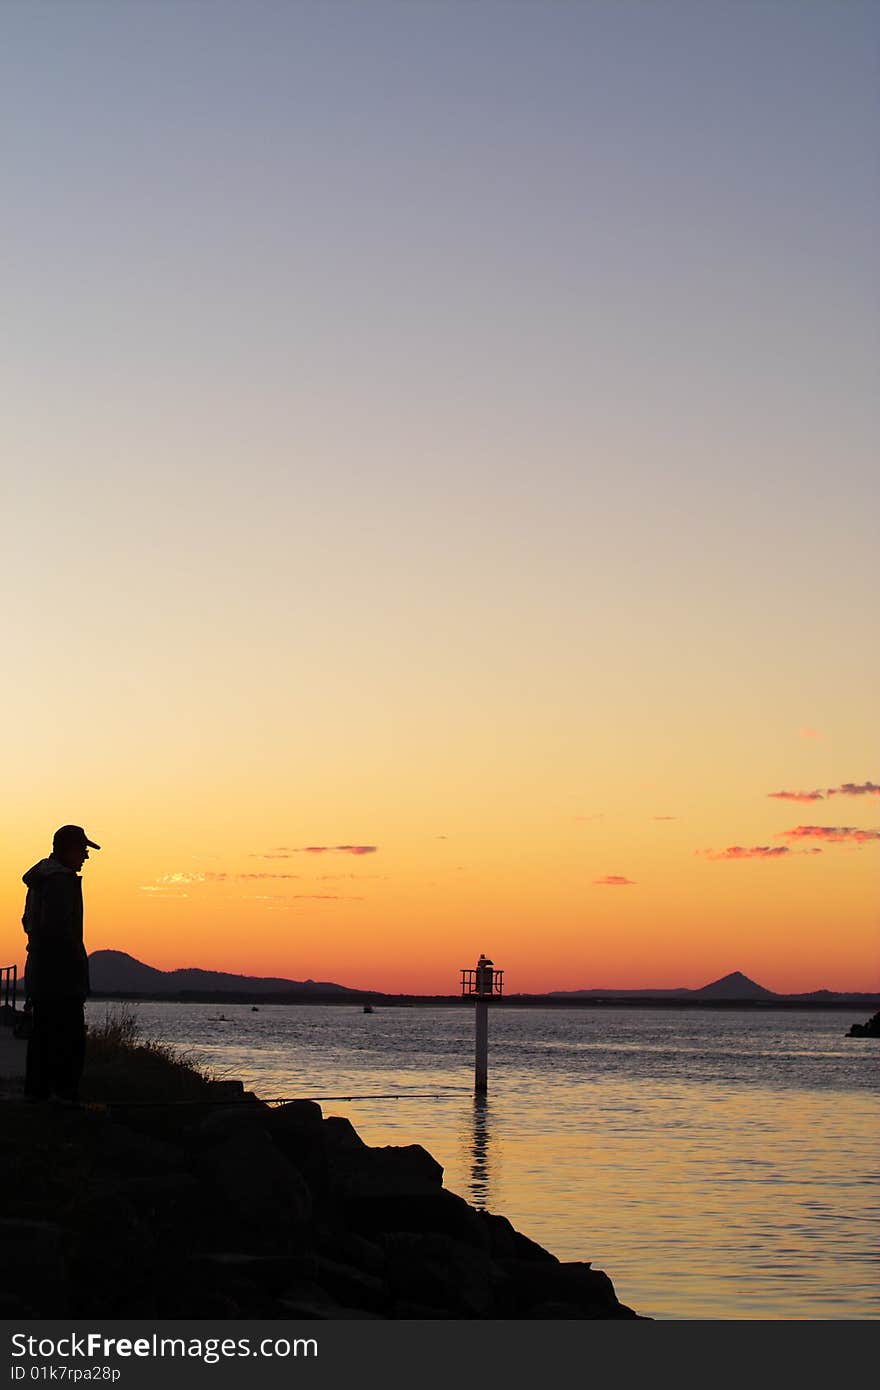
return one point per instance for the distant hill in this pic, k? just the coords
(734, 986)
(114, 972)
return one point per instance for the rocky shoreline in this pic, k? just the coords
(871, 1029)
(228, 1207)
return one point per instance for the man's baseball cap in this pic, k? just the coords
(71, 835)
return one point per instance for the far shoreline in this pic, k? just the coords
(413, 1001)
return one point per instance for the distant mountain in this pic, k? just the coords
(114, 972)
(734, 986)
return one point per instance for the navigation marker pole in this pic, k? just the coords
(482, 984)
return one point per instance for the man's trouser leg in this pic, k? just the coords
(67, 1048)
(56, 1049)
(37, 1074)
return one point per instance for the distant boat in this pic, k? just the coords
(254, 1009)
(368, 1008)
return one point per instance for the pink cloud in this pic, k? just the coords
(855, 789)
(613, 881)
(797, 796)
(834, 834)
(283, 852)
(809, 733)
(740, 852)
(336, 849)
(664, 817)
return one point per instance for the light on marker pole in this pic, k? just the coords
(482, 984)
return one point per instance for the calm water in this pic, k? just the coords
(715, 1164)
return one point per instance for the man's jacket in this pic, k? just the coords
(57, 965)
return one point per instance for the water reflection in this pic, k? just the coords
(480, 1166)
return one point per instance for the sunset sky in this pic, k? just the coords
(440, 485)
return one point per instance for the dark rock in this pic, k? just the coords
(340, 1134)
(259, 1189)
(351, 1286)
(175, 1302)
(113, 1260)
(166, 1192)
(233, 1119)
(123, 1150)
(408, 1160)
(441, 1273)
(101, 1214)
(227, 1089)
(319, 1305)
(871, 1029)
(533, 1283)
(33, 1266)
(298, 1129)
(439, 1211)
(297, 1116)
(408, 1171)
(163, 1123)
(224, 1270)
(306, 1276)
(504, 1240)
(12, 1306)
(407, 1308)
(549, 1309)
(349, 1248)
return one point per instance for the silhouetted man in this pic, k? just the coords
(57, 968)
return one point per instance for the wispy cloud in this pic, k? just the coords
(809, 733)
(664, 817)
(169, 880)
(357, 878)
(325, 897)
(846, 789)
(855, 789)
(796, 796)
(613, 881)
(284, 851)
(743, 852)
(275, 898)
(267, 875)
(833, 834)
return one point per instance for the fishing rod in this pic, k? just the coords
(103, 1105)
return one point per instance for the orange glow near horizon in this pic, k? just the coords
(609, 902)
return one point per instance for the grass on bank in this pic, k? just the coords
(123, 1065)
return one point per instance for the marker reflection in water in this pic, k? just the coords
(480, 1167)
